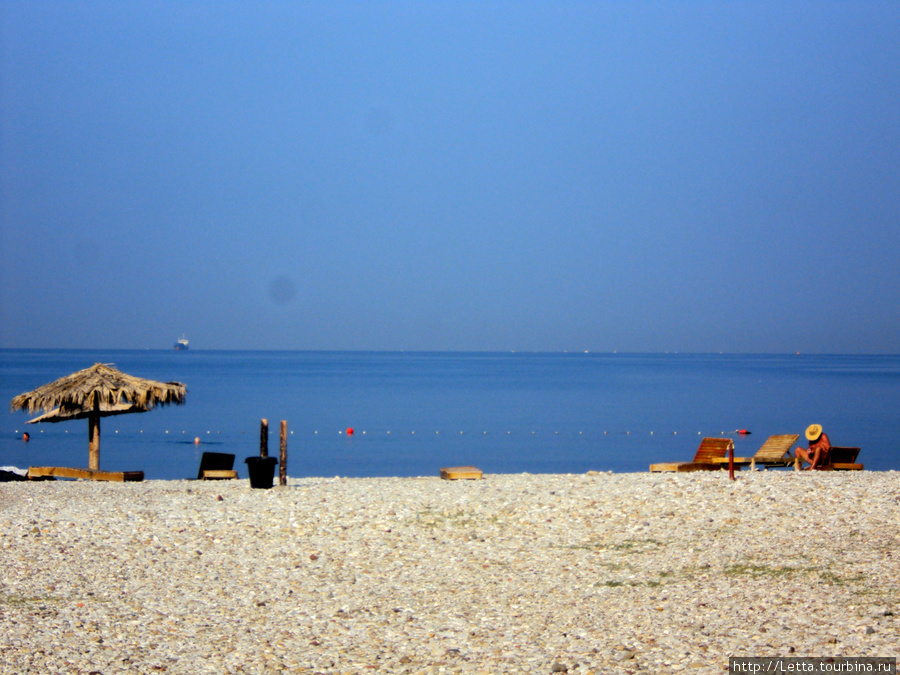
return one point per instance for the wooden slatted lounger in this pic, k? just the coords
(216, 466)
(776, 451)
(84, 474)
(708, 457)
(844, 459)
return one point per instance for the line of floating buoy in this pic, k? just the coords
(350, 431)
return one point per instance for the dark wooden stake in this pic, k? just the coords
(264, 438)
(282, 455)
(731, 462)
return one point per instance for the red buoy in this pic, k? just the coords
(349, 431)
(743, 432)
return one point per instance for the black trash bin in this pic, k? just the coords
(262, 471)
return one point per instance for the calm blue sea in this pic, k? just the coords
(413, 413)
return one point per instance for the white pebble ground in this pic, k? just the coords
(595, 573)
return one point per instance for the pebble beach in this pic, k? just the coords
(588, 573)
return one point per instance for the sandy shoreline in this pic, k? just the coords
(602, 573)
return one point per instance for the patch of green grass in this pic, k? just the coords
(760, 570)
(624, 546)
(589, 546)
(615, 583)
(16, 599)
(432, 518)
(825, 575)
(829, 577)
(637, 545)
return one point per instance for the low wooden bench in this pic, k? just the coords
(461, 473)
(84, 474)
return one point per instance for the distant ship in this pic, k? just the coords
(182, 344)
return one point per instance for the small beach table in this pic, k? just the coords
(461, 473)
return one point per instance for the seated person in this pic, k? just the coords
(819, 450)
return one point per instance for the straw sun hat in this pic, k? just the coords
(813, 431)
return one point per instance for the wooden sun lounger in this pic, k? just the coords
(708, 457)
(776, 451)
(216, 466)
(84, 474)
(844, 459)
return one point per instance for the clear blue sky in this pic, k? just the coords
(632, 176)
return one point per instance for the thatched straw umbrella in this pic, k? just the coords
(95, 392)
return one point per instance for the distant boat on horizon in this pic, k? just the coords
(182, 344)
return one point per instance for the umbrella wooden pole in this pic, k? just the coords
(94, 442)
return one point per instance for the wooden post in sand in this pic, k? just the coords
(264, 438)
(282, 455)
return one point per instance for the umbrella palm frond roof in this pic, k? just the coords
(100, 388)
